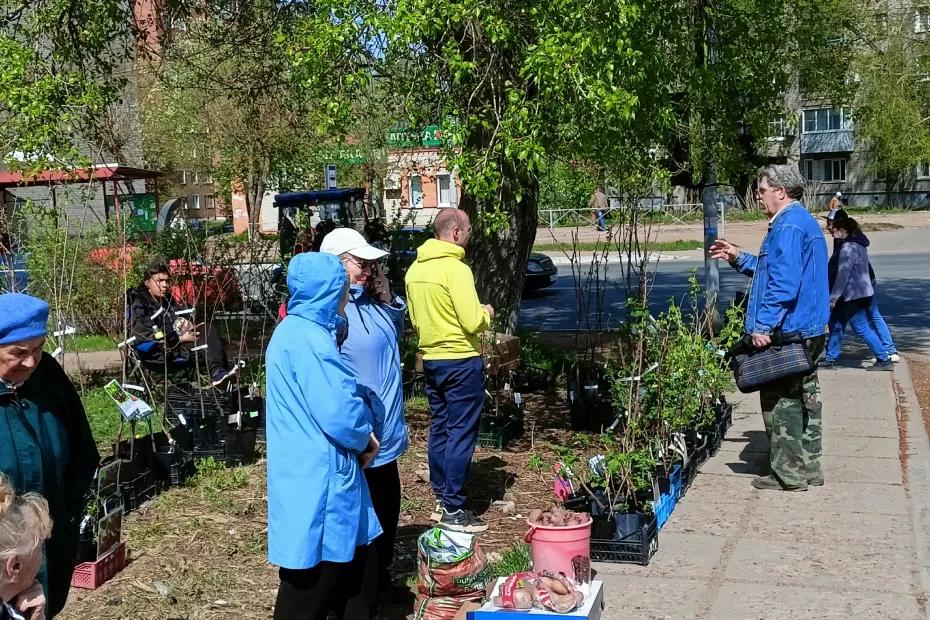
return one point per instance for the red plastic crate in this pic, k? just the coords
(92, 575)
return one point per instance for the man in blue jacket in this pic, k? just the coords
(372, 352)
(788, 293)
(320, 517)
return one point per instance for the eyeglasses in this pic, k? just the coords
(361, 264)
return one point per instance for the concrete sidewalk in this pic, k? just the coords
(849, 549)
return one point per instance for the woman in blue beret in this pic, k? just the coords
(46, 445)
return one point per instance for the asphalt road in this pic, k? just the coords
(903, 294)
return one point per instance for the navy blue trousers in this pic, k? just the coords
(455, 389)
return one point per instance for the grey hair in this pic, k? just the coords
(784, 175)
(24, 521)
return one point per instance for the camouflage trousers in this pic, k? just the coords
(791, 410)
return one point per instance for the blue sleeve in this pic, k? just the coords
(746, 263)
(783, 272)
(333, 400)
(398, 312)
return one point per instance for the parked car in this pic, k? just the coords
(540, 271)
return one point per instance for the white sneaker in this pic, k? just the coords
(894, 357)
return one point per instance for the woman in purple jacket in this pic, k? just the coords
(852, 291)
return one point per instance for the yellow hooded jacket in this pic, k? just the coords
(443, 303)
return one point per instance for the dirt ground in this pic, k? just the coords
(199, 552)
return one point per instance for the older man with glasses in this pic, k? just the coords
(788, 293)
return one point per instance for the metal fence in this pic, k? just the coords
(552, 218)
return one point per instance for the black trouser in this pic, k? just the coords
(348, 589)
(384, 488)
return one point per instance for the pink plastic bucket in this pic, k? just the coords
(554, 547)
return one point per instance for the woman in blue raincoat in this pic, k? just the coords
(319, 436)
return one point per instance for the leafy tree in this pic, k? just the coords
(61, 66)
(893, 101)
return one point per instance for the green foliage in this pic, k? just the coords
(59, 71)
(79, 275)
(537, 354)
(893, 103)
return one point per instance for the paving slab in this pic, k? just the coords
(773, 602)
(656, 598)
(847, 549)
(786, 561)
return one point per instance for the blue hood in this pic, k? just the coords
(316, 283)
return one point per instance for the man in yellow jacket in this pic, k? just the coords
(448, 317)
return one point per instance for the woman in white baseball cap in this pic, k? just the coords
(372, 353)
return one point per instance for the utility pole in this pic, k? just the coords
(711, 216)
(706, 58)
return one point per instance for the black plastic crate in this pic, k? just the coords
(178, 473)
(205, 404)
(635, 549)
(139, 490)
(232, 445)
(498, 431)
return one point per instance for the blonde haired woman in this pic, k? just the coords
(24, 527)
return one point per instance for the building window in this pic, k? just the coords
(777, 128)
(827, 119)
(826, 170)
(392, 194)
(182, 177)
(922, 20)
(446, 188)
(195, 202)
(416, 192)
(923, 170)
(209, 202)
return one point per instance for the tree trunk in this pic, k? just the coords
(498, 259)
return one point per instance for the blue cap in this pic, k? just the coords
(22, 317)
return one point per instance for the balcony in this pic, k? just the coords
(819, 142)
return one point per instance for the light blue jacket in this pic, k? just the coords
(372, 353)
(789, 277)
(319, 508)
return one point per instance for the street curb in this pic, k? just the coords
(918, 469)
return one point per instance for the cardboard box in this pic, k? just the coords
(591, 610)
(501, 352)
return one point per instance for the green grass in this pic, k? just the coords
(591, 246)
(215, 480)
(417, 401)
(514, 559)
(103, 416)
(84, 343)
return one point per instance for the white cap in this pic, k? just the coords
(350, 241)
(839, 194)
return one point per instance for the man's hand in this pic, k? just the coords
(721, 248)
(188, 337)
(761, 341)
(370, 452)
(490, 309)
(31, 603)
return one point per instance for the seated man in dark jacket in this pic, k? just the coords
(46, 445)
(162, 337)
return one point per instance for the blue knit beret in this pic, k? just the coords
(22, 317)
